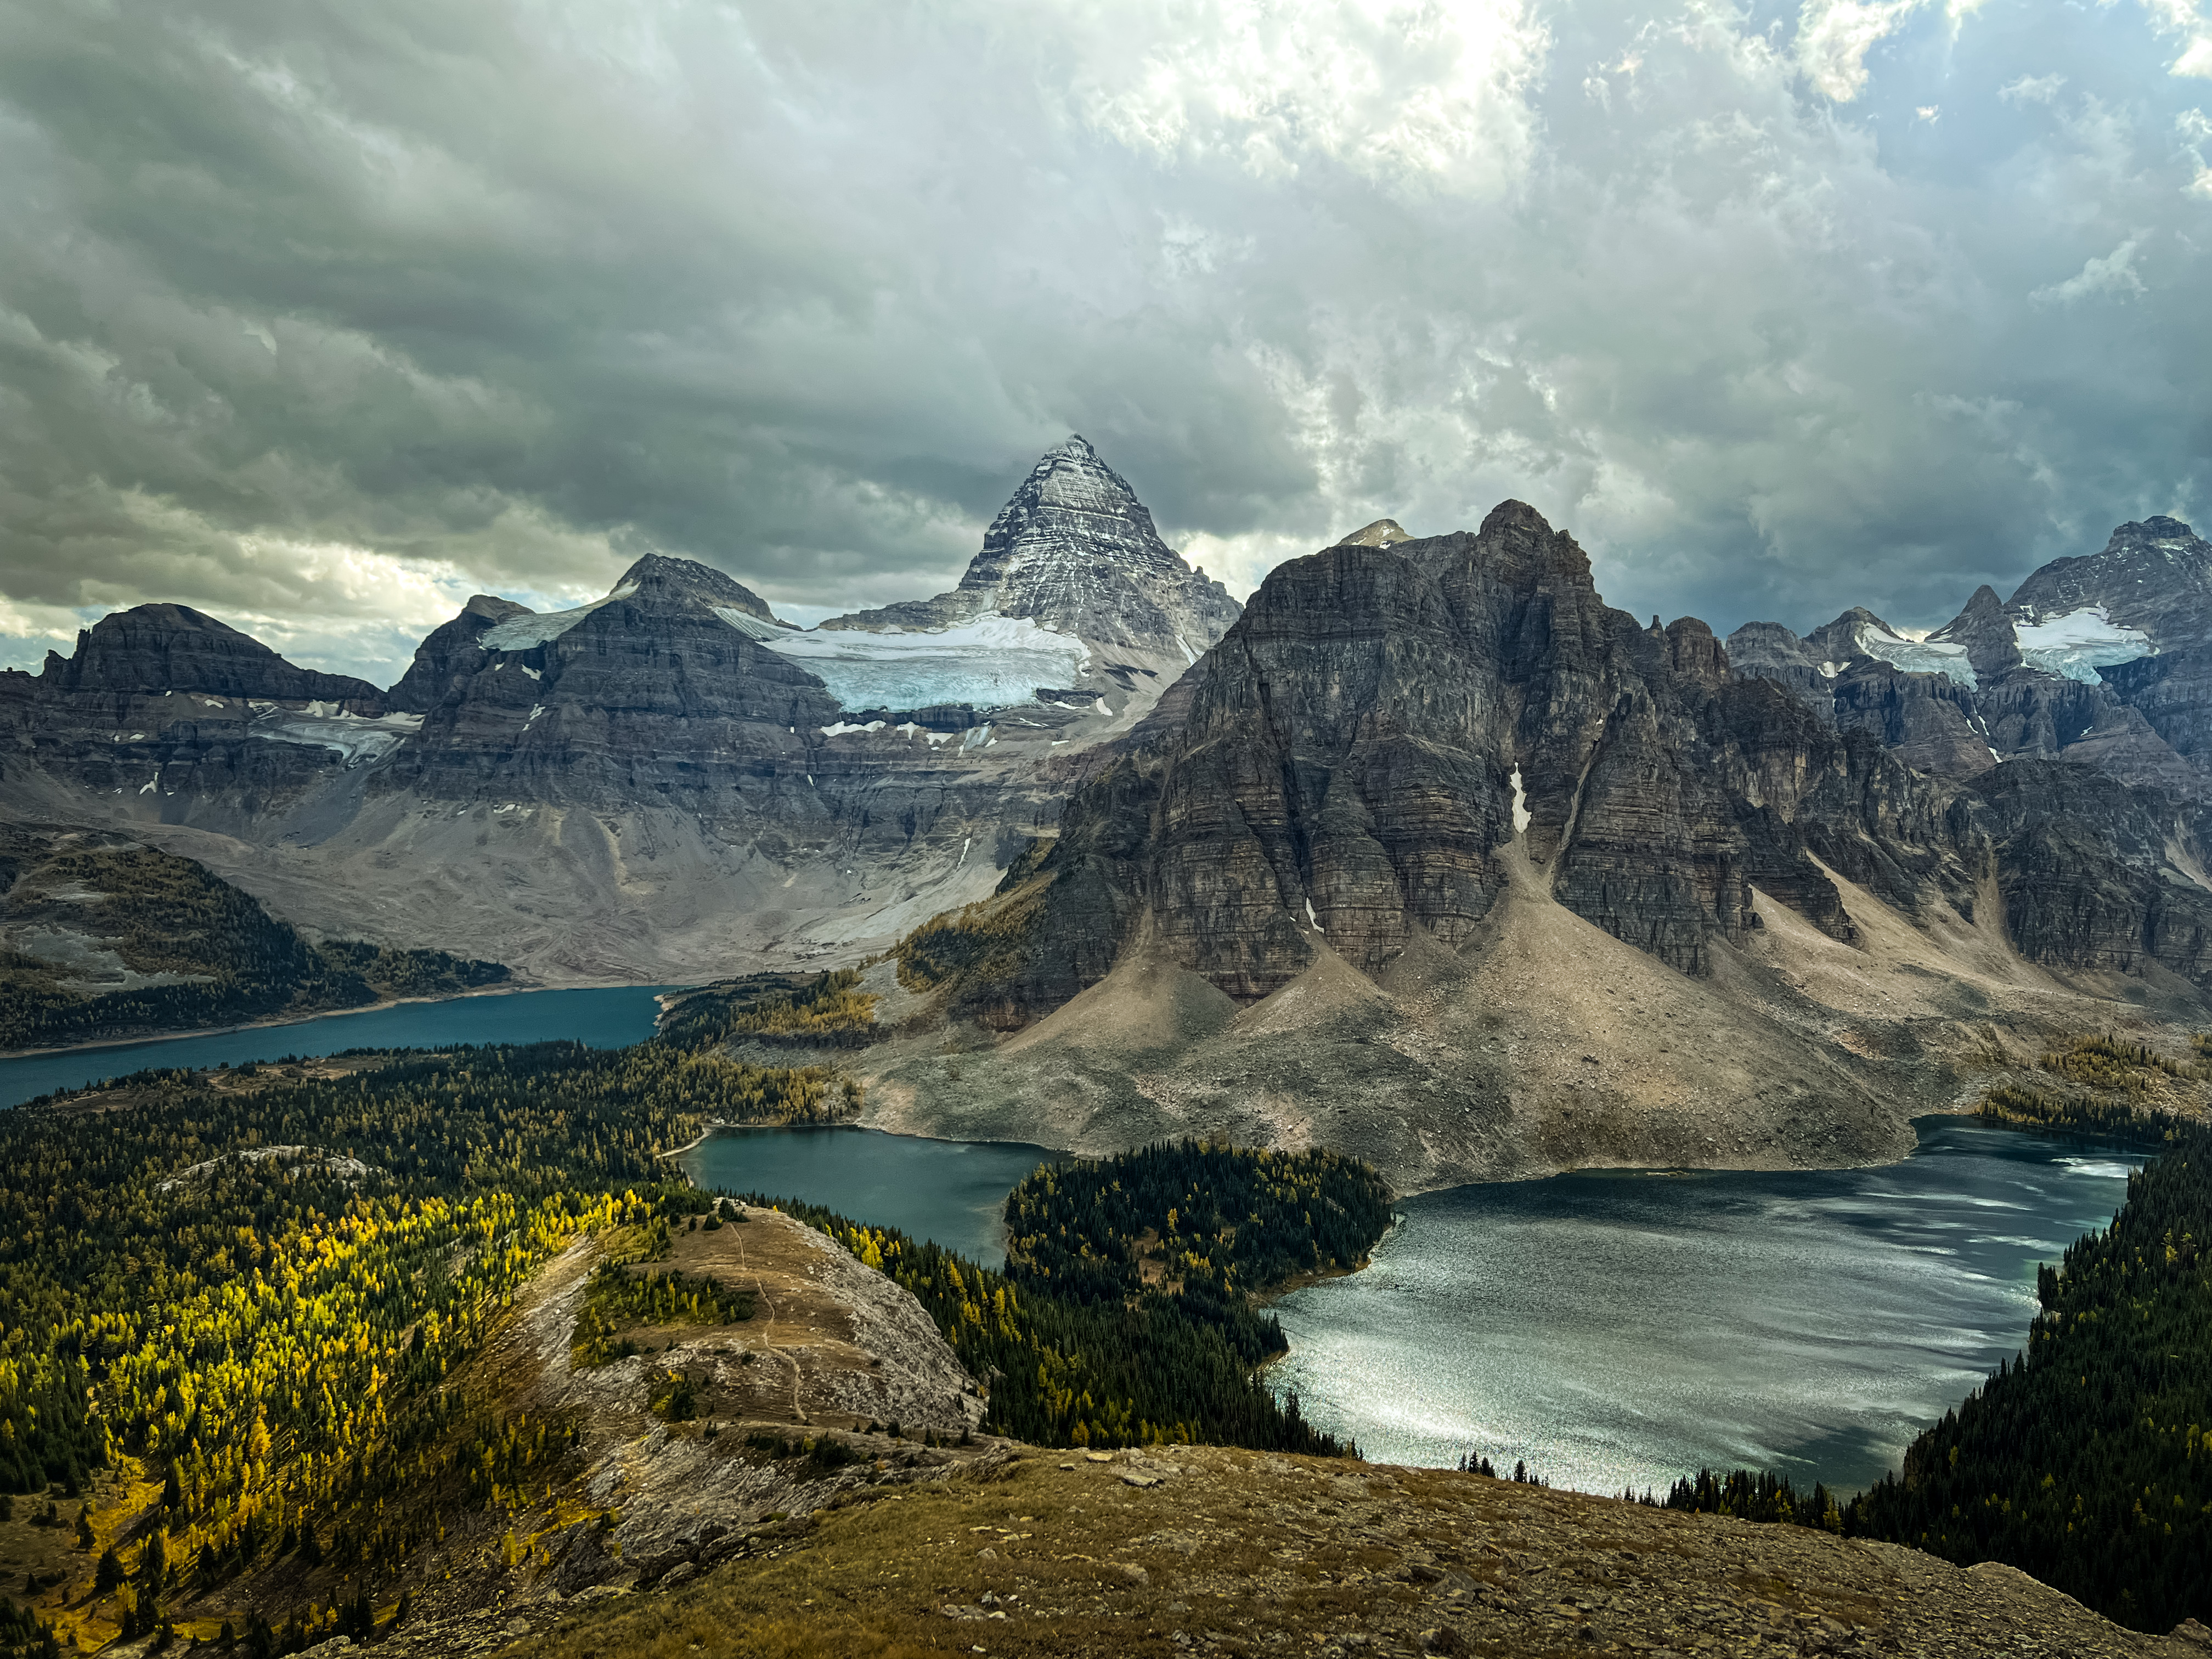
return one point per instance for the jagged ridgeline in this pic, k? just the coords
(2086, 1464)
(131, 940)
(1082, 1346)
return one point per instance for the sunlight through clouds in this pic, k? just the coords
(495, 294)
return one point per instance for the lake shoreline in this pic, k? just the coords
(309, 1019)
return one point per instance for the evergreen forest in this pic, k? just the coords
(257, 1285)
(259, 1288)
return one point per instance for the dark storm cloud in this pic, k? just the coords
(321, 318)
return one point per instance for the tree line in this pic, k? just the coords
(2087, 1460)
(1078, 1352)
(266, 1291)
(166, 915)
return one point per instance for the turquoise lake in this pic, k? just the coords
(605, 1018)
(951, 1191)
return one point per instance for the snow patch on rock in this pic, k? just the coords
(1915, 656)
(354, 736)
(2078, 642)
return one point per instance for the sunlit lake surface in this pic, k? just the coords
(1621, 1330)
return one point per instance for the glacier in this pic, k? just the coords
(1915, 656)
(2078, 642)
(990, 661)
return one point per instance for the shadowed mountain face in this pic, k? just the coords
(160, 649)
(1447, 863)
(1385, 719)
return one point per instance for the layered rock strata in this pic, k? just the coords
(1443, 834)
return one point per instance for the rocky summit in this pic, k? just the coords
(668, 782)
(2100, 660)
(1075, 550)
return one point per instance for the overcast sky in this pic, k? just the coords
(322, 317)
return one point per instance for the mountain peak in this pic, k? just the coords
(660, 576)
(1382, 533)
(1986, 631)
(152, 648)
(1075, 550)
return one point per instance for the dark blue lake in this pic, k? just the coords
(605, 1018)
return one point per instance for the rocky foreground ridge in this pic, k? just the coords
(718, 1534)
(712, 1536)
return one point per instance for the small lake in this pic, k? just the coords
(951, 1191)
(1618, 1330)
(611, 1018)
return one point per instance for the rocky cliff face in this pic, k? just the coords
(1382, 720)
(2154, 577)
(664, 781)
(450, 653)
(2096, 659)
(1442, 832)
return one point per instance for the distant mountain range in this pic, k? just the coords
(1427, 853)
(669, 782)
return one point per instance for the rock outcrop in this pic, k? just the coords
(1383, 719)
(450, 653)
(1535, 884)
(2058, 670)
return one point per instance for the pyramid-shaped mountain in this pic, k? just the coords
(1075, 551)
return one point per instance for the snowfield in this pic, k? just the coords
(991, 662)
(2079, 642)
(524, 633)
(1917, 656)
